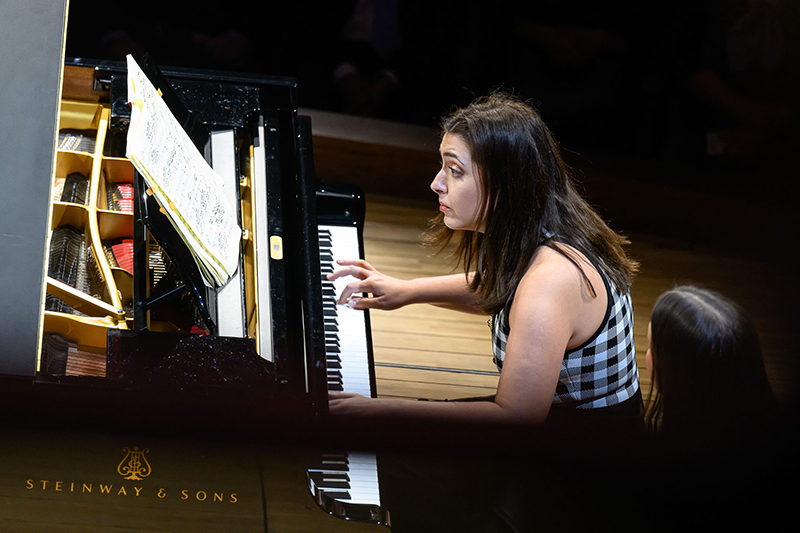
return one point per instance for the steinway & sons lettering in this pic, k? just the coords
(134, 491)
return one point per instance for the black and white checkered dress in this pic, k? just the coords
(602, 371)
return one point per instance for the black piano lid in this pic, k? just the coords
(31, 67)
(280, 91)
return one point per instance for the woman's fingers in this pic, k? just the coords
(361, 303)
(355, 288)
(354, 271)
(358, 268)
(353, 296)
(369, 281)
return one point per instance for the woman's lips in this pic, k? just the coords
(443, 208)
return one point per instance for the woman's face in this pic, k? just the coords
(458, 186)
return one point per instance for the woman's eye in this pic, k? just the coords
(454, 171)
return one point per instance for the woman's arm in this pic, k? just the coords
(534, 352)
(387, 293)
(550, 306)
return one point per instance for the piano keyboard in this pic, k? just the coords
(348, 477)
(346, 352)
(345, 484)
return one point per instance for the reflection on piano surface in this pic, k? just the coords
(346, 485)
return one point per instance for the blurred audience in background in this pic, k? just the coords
(700, 82)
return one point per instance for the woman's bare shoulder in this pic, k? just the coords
(554, 285)
(558, 280)
(560, 264)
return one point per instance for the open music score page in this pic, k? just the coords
(186, 187)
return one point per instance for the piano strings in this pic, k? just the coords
(119, 254)
(119, 197)
(63, 357)
(76, 141)
(70, 261)
(76, 189)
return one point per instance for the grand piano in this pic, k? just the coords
(123, 289)
(126, 335)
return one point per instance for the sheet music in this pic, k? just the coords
(186, 187)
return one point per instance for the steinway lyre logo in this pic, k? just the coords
(134, 466)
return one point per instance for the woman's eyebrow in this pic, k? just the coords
(453, 155)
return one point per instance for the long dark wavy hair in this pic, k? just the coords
(530, 200)
(708, 370)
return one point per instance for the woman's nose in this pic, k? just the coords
(437, 185)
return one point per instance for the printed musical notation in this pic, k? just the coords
(185, 186)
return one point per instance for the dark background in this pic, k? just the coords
(620, 76)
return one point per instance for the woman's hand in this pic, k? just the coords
(350, 404)
(386, 292)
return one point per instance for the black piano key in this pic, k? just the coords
(326, 480)
(338, 494)
(330, 465)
